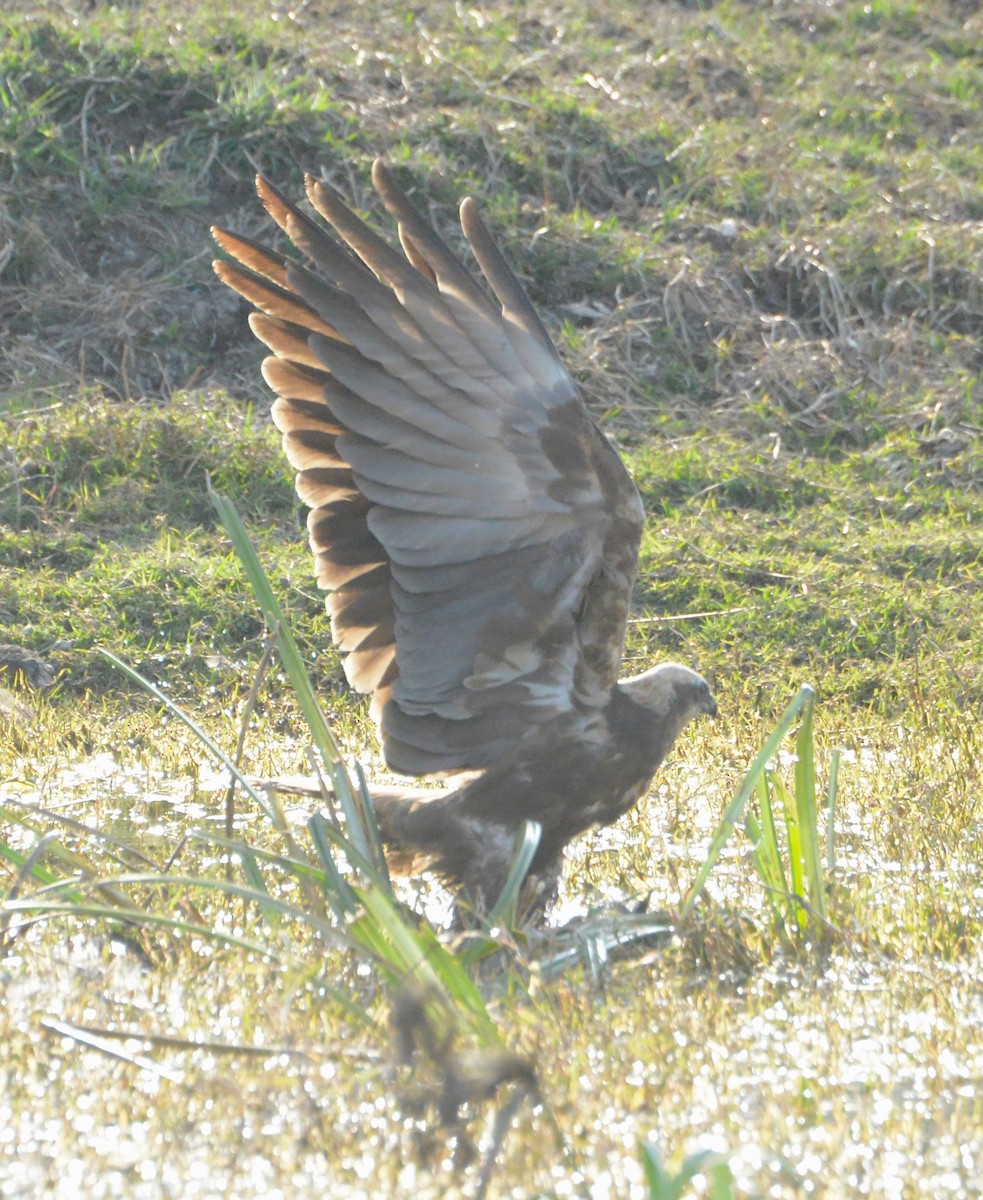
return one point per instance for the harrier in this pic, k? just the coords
(476, 534)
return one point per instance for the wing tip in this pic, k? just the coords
(381, 172)
(223, 270)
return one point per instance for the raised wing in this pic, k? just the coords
(475, 531)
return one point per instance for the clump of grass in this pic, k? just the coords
(665, 1183)
(735, 809)
(345, 897)
(797, 882)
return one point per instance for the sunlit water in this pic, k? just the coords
(875, 1068)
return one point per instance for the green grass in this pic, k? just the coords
(801, 406)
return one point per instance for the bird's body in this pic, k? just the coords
(475, 531)
(568, 775)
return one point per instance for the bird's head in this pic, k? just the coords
(672, 690)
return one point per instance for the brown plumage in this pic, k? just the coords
(475, 531)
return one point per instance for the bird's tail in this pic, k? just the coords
(422, 831)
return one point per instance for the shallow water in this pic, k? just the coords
(861, 1074)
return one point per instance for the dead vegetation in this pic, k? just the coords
(777, 278)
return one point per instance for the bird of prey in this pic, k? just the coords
(476, 534)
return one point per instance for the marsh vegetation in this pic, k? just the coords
(756, 235)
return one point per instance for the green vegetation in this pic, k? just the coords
(755, 234)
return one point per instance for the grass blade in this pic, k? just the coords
(338, 890)
(195, 728)
(831, 790)
(766, 854)
(796, 874)
(293, 664)
(420, 958)
(807, 812)
(506, 906)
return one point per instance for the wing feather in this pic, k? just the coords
(476, 533)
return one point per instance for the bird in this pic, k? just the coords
(25, 666)
(475, 531)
